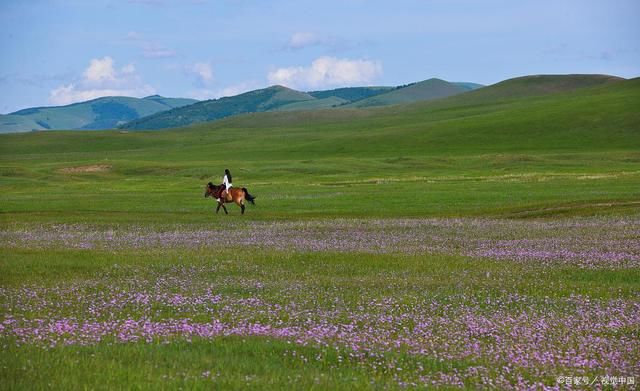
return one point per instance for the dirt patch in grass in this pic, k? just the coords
(85, 169)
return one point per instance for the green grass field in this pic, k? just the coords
(501, 158)
(480, 241)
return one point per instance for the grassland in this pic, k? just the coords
(477, 242)
(502, 158)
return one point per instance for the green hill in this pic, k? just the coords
(421, 91)
(469, 86)
(278, 98)
(171, 102)
(10, 123)
(594, 117)
(265, 99)
(335, 98)
(101, 113)
(488, 119)
(351, 94)
(458, 92)
(156, 112)
(536, 85)
(315, 104)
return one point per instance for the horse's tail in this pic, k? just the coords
(248, 196)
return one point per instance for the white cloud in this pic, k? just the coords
(100, 70)
(101, 78)
(327, 71)
(203, 73)
(71, 94)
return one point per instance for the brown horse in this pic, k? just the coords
(235, 194)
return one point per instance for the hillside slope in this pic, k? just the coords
(421, 91)
(536, 85)
(253, 101)
(351, 94)
(101, 113)
(335, 98)
(279, 98)
(591, 118)
(10, 123)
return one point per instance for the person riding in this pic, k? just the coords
(226, 181)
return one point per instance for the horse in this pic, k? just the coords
(235, 194)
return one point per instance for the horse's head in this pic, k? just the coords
(209, 190)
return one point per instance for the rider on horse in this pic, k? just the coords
(226, 181)
(227, 193)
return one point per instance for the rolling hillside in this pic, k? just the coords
(156, 112)
(160, 113)
(578, 118)
(315, 104)
(469, 86)
(279, 98)
(590, 117)
(424, 90)
(101, 113)
(335, 98)
(253, 101)
(535, 85)
(351, 94)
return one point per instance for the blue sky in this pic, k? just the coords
(59, 52)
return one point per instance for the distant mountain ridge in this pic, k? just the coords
(101, 113)
(265, 99)
(279, 98)
(428, 93)
(156, 112)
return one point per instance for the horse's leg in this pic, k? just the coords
(218, 208)
(225, 209)
(239, 202)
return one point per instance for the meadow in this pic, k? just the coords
(489, 242)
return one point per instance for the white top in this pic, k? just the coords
(226, 182)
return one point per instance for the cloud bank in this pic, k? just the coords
(327, 72)
(99, 79)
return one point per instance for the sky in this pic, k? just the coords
(56, 52)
